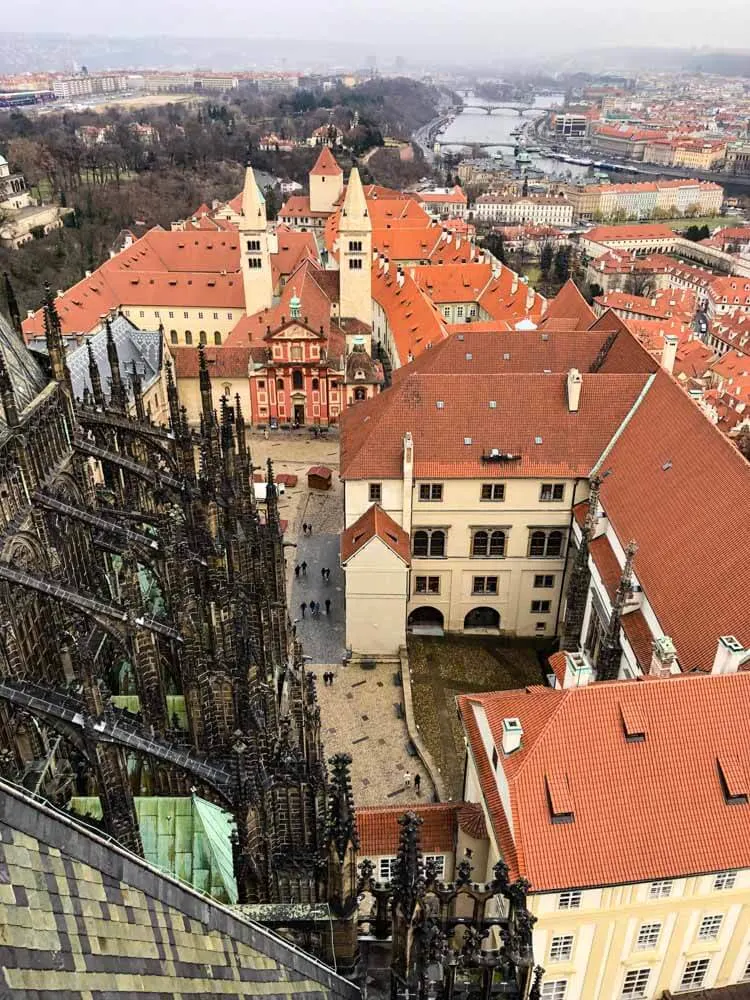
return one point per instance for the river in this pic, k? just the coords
(471, 126)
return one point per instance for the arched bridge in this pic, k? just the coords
(69, 717)
(520, 109)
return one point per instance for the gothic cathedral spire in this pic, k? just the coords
(255, 256)
(355, 249)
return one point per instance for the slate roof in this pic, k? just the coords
(79, 912)
(144, 348)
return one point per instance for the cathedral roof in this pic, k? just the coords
(25, 374)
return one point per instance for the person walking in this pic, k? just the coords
(417, 783)
(303, 608)
(296, 572)
(323, 574)
(328, 605)
(304, 568)
(304, 528)
(407, 779)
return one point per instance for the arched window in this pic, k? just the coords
(421, 543)
(497, 543)
(217, 338)
(360, 394)
(479, 543)
(315, 384)
(280, 384)
(554, 543)
(537, 543)
(437, 543)
(297, 379)
(202, 337)
(188, 337)
(173, 336)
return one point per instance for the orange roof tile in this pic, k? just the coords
(614, 234)
(450, 440)
(674, 479)
(569, 304)
(379, 829)
(326, 165)
(231, 362)
(453, 282)
(375, 523)
(629, 821)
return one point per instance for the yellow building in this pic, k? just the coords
(639, 866)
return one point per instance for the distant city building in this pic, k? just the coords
(68, 88)
(539, 211)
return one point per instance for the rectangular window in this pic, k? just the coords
(426, 584)
(185, 315)
(355, 246)
(541, 626)
(356, 264)
(171, 315)
(431, 491)
(635, 984)
(385, 869)
(694, 974)
(725, 880)
(561, 948)
(541, 607)
(376, 492)
(200, 315)
(460, 312)
(142, 314)
(493, 491)
(554, 989)
(484, 585)
(569, 900)
(438, 864)
(648, 936)
(552, 491)
(544, 581)
(660, 889)
(253, 245)
(216, 315)
(710, 927)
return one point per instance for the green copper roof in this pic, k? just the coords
(186, 837)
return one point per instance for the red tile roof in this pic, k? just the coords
(379, 830)
(614, 234)
(569, 304)
(231, 362)
(677, 487)
(415, 322)
(471, 820)
(630, 822)
(297, 206)
(375, 523)
(453, 282)
(569, 443)
(326, 165)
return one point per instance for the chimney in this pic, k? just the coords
(730, 655)
(29, 314)
(662, 657)
(512, 733)
(669, 352)
(578, 671)
(575, 381)
(59, 293)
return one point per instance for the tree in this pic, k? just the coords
(494, 243)
(697, 233)
(546, 258)
(562, 264)
(272, 202)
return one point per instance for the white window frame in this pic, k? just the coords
(710, 926)
(724, 880)
(570, 899)
(635, 984)
(385, 868)
(696, 967)
(648, 935)
(378, 488)
(439, 860)
(661, 888)
(561, 948)
(554, 989)
(431, 488)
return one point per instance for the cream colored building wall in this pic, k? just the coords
(324, 191)
(461, 511)
(190, 396)
(376, 584)
(212, 320)
(605, 934)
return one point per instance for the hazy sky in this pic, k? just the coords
(486, 27)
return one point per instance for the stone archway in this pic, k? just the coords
(482, 617)
(425, 620)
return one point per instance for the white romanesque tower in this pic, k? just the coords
(355, 254)
(254, 253)
(326, 182)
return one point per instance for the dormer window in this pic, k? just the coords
(359, 374)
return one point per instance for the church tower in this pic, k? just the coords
(355, 253)
(254, 253)
(326, 182)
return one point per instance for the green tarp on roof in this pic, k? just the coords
(187, 837)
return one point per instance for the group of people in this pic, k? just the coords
(328, 677)
(306, 529)
(314, 607)
(417, 782)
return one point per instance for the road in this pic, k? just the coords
(323, 638)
